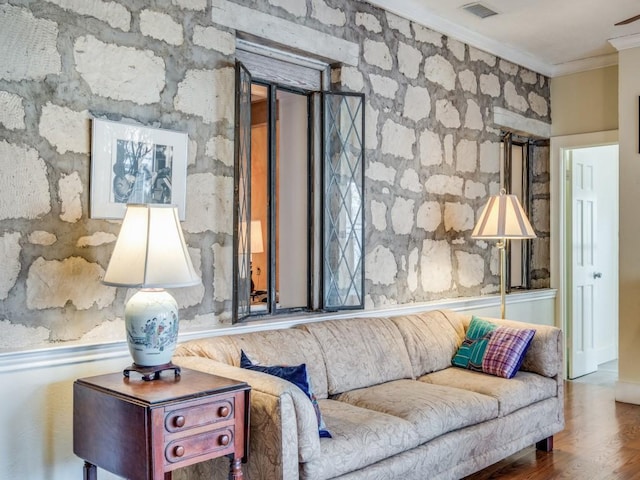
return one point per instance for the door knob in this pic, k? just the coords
(597, 274)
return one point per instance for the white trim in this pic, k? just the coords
(284, 32)
(67, 355)
(414, 10)
(557, 206)
(627, 392)
(585, 64)
(628, 41)
(519, 124)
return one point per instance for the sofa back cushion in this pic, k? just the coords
(289, 346)
(360, 352)
(432, 338)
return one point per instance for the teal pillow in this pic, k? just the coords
(493, 349)
(295, 374)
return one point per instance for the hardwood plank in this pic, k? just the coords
(601, 441)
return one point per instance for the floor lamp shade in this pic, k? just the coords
(503, 219)
(151, 254)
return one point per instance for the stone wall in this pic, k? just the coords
(431, 160)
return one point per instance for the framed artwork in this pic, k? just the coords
(136, 164)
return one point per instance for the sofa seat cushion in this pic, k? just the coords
(523, 389)
(360, 352)
(432, 409)
(360, 437)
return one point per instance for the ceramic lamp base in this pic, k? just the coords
(151, 321)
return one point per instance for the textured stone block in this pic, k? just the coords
(470, 269)
(444, 184)
(223, 264)
(10, 260)
(11, 111)
(214, 39)
(410, 180)
(121, 73)
(476, 55)
(447, 114)
(490, 84)
(466, 156)
(380, 172)
(397, 139)
(161, 26)
(417, 103)
(65, 129)
(29, 49)
(473, 117)
(209, 204)
(468, 81)
(24, 187)
(514, 99)
(424, 34)
(398, 23)
(205, 93)
(69, 190)
(458, 217)
(383, 86)
(440, 70)
(40, 237)
(436, 269)
(538, 104)
(53, 283)
(402, 216)
(380, 266)
(327, 15)
(377, 53)
(409, 60)
(221, 148)
(430, 149)
(366, 20)
(112, 13)
(429, 216)
(191, 4)
(96, 239)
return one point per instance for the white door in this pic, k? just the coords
(593, 254)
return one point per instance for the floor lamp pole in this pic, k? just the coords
(503, 266)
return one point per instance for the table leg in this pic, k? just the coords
(235, 473)
(89, 472)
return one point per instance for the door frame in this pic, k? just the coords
(560, 280)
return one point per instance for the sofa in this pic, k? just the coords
(389, 396)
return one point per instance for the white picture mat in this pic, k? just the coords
(110, 139)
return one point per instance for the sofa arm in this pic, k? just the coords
(283, 426)
(546, 351)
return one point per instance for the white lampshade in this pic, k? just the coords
(150, 251)
(502, 218)
(256, 237)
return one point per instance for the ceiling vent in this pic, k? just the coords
(479, 10)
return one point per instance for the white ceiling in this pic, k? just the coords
(552, 37)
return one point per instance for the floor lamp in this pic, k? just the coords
(503, 219)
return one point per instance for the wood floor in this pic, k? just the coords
(601, 441)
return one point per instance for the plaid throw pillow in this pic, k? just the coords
(494, 350)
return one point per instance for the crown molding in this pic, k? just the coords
(628, 41)
(413, 10)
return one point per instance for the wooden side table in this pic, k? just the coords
(143, 430)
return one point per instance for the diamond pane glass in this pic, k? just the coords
(242, 177)
(343, 228)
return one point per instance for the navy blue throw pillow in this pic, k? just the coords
(297, 375)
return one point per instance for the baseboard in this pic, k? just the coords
(628, 392)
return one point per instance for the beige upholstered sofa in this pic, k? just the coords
(388, 394)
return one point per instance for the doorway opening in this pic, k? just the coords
(586, 249)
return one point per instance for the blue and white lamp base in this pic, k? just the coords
(151, 322)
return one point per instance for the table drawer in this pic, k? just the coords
(198, 445)
(199, 415)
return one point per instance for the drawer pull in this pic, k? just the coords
(178, 451)
(223, 411)
(179, 421)
(224, 440)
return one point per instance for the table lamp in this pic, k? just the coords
(150, 253)
(503, 219)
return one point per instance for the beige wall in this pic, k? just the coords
(629, 331)
(585, 102)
